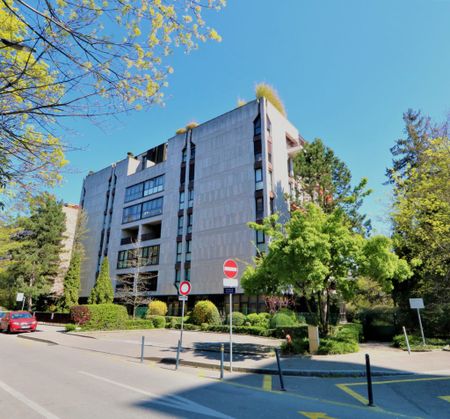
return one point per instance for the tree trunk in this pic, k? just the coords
(324, 307)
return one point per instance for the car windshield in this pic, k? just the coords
(21, 316)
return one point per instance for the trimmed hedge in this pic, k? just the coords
(159, 322)
(335, 346)
(260, 320)
(138, 324)
(244, 330)
(187, 326)
(156, 308)
(238, 318)
(106, 317)
(282, 320)
(205, 312)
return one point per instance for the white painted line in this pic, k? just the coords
(230, 269)
(174, 402)
(25, 400)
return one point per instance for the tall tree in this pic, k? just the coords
(320, 257)
(102, 292)
(88, 59)
(325, 180)
(36, 263)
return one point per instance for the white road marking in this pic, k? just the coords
(174, 402)
(30, 403)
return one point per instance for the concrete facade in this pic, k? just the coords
(221, 158)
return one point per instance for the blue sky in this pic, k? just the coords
(345, 69)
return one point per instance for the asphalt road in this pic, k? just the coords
(40, 380)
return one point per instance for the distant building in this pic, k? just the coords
(187, 202)
(71, 211)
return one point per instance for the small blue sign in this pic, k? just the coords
(229, 290)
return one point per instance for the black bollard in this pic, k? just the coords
(369, 381)
(280, 373)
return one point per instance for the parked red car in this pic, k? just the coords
(18, 321)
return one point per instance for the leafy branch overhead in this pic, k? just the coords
(82, 58)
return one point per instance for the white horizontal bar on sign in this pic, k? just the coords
(230, 269)
(230, 282)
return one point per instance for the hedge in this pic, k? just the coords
(106, 317)
(238, 318)
(156, 308)
(416, 343)
(205, 312)
(138, 324)
(159, 322)
(282, 320)
(245, 330)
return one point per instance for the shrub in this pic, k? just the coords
(159, 322)
(137, 324)
(157, 308)
(180, 131)
(416, 343)
(205, 312)
(238, 319)
(297, 346)
(188, 326)
(70, 327)
(350, 331)
(281, 319)
(80, 315)
(106, 317)
(260, 320)
(244, 330)
(295, 332)
(334, 346)
(267, 91)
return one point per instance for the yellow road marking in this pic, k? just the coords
(446, 398)
(352, 393)
(201, 374)
(407, 380)
(267, 383)
(315, 415)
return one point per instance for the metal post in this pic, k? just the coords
(369, 381)
(178, 355)
(280, 372)
(421, 328)
(142, 348)
(182, 322)
(231, 332)
(221, 361)
(407, 340)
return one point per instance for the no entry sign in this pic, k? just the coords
(230, 268)
(185, 288)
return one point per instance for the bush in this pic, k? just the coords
(71, 327)
(238, 319)
(260, 320)
(138, 324)
(159, 322)
(244, 330)
(205, 312)
(187, 326)
(282, 319)
(267, 91)
(416, 344)
(80, 315)
(297, 346)
(335, 346)
(295, 332)
(106, 317)
(157, 308)
(349, 331)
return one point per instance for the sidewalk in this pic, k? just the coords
(251, 354)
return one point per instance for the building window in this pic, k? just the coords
(150, 255)
(192, 151)
(149, 280)
(259, 208)
(260, 241)
(257, 126)
(187, 274)
(184, 155)
(132, 213)
(190, 198)
(270, 180)
(189, 223)
(271, 206)
(181, 201)
(154, 185)
(269, 151)
(179, 251)
(269, 125)
(191, 171)
(177, 276)
(133, 192)
(126, 259)
(257, 150)
(152, 208)
(188, 250)
(180, 226)
(258, 179)
(290, 165)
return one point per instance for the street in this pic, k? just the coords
(41, 380)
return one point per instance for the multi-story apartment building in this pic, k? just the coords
(185, 204)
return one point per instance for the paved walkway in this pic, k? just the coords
(251, 353)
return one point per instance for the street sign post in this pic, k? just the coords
(230, 283)
(184, 289)
(417, 303)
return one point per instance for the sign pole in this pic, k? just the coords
(231, 332)
(421, 328)
(182, 322)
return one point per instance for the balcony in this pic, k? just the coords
(126, 240)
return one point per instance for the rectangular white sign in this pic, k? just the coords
(230, 282)
(182, 297)
(416, 303)
(19, 296)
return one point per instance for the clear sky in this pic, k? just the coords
(345, 69)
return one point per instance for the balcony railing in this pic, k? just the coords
(126, 240)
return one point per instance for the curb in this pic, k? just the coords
(49, 342)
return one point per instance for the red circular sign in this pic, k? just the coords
(230, 268)
(185, 288)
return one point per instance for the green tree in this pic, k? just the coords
(103, 292)
(319, 256)
(326, 181)
(62, 59)
(36, 263)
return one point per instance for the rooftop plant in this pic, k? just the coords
(267, 91)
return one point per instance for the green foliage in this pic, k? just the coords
(191, 125)
(80, 315)
(300, 331)
(244, 330)
(334, 346)
(106, 317)
(156, 307)
(72, 282)
(320, 256)
(238, 318)
(205, 312)
(327, 181)
(259, 320)
(180, 131)
(103, 292)
(159, 322)
(187, 326)
(298, 346)
(71, 327)
(349, 331)
(282, 320)
(138, 324)
(267, 91)
(416, 343)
